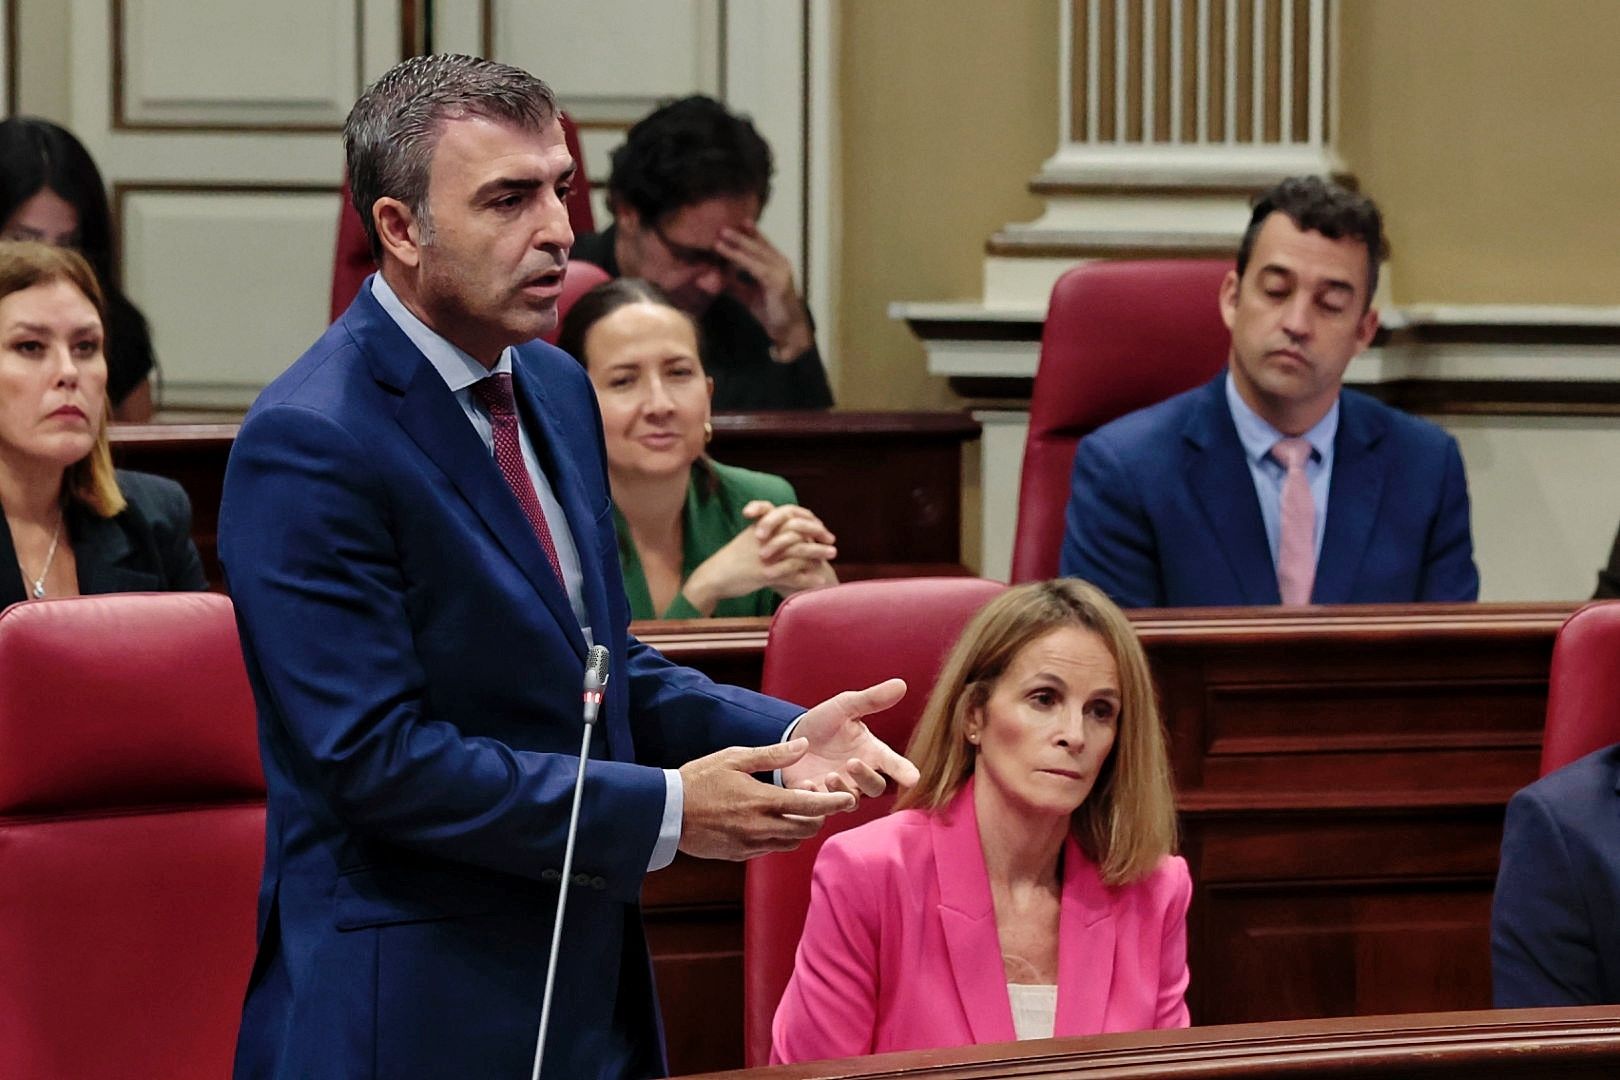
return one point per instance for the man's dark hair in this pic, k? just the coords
(1317, 205)
(394, 128)
(685, 152)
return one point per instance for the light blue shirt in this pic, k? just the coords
(460, 371)
(1258, 437)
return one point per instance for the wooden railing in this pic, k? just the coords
(1524, 1044)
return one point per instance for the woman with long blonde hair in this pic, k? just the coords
(73, 524)
(1027, 886)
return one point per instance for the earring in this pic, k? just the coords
(708, 433)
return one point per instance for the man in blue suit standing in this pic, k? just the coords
(1555, 936)
(417, 533)
(1272, 483)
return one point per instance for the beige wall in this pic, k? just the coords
(1486, 129)
(42, 59)
(947, 108)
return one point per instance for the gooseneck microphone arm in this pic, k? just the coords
(596, 677)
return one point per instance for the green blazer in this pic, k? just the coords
(708, 523)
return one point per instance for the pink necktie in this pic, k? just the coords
(495, 394)
(1296, 548)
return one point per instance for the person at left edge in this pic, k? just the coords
(72, 523)
(418, 574)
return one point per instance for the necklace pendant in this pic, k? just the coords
(39, 590)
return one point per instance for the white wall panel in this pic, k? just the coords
(614, 59)
(458, 26)
(1543, 512)
(235, 284)
(241, 63)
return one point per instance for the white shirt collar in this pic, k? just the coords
(1258, 436)
(457, 368)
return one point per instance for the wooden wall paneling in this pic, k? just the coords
(1315, 915)
(888, 484)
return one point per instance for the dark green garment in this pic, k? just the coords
(708, 523)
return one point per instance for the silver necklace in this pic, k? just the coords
(38, 590)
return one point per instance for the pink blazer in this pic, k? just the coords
(900, 950)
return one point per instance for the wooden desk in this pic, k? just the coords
(1341, 775)
(889, 485)
(1523, 1044)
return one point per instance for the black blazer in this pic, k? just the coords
(145, 548)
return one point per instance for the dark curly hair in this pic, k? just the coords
(685, 152)
(1321, 206)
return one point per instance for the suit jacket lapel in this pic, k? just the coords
(430, 415)
(967, 914)
(1354, 494)
(1218, 474)
(1085, 946)
(107, 561)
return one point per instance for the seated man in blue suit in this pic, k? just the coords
(1272, 483)
(418, 537)
(1555, 935)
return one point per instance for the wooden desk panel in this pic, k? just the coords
(889, 485)
(1341, 777)
(1521, 1044)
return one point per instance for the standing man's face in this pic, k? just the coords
(488, 266)
(1298, 316)
(678, 252)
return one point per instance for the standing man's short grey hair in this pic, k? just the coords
(393, 129)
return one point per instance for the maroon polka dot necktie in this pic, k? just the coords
(495, 394)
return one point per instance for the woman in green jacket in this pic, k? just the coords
(696, 538)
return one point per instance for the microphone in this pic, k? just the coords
(596, 677)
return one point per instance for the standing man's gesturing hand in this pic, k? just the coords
(831, 761)
(843, 754)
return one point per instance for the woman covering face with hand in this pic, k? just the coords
(73, 524)
(696, 538)
(1026, 886)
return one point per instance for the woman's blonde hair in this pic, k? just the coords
(24, 264)
(1128, 822)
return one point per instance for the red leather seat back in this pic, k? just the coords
(131, 836)
(1119, 336)
(845, 637)
(1583, 690)
(580, 279)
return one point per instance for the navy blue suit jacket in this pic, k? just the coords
(418, 670)
(1555, 935)
(1163, 513)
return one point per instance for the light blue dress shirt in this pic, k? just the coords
(1258, 437)
(460, 371)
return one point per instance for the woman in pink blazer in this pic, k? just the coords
(1026, 886)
